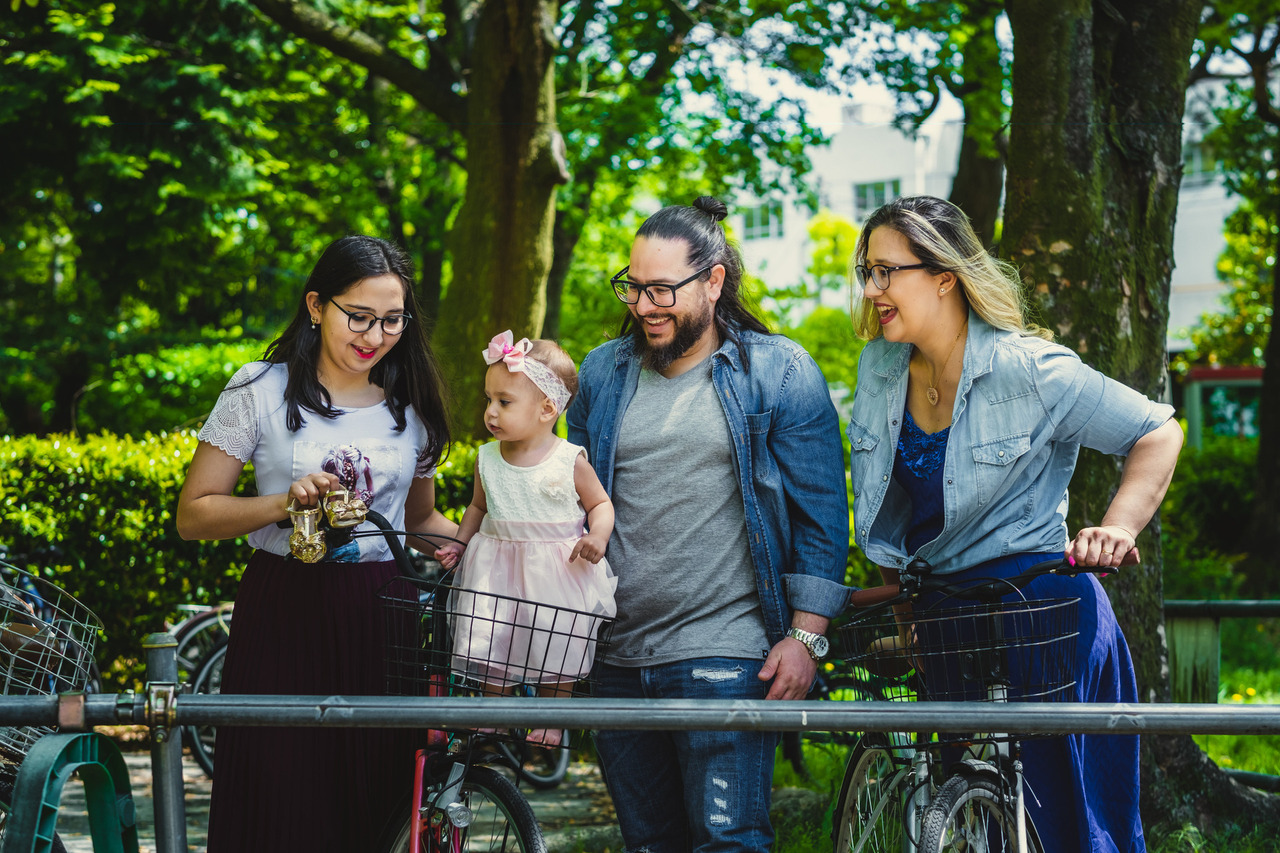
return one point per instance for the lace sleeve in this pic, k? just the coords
(232, 426)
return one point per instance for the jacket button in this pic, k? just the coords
(1001, 453)
(885, 478)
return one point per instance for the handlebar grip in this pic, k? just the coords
(874, 595)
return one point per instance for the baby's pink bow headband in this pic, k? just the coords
(513, 355)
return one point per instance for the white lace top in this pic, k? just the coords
(542, 492)
(361, 446)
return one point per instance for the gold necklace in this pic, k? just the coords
(932, 391)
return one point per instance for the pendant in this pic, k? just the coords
(932, 394)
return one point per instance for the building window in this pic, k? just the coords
(759, 223)
(868, 197)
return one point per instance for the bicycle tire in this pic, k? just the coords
(970, 813)
(6, 798)
(543, 767)
(198, 636)
(869, 815)
(503, 820)
(208, 680)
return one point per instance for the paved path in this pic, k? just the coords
(576, 815)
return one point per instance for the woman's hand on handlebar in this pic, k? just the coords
(308, 488)
(1109, 545)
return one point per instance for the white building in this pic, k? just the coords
(869, 162)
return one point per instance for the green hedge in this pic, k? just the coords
(96, 516)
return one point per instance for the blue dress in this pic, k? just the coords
(1081, 790)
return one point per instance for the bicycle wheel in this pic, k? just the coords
(870, 811)
(502, 819)
(198, 636)
(971, 814)
(208, 679)
(543, 767)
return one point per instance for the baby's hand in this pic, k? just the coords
(590, 548)
(449, 554)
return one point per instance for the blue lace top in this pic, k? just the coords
(917, 468)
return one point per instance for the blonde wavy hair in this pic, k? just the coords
(940, 235)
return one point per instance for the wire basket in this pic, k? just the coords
(442, 640)
(47, 639)
(1016, 651)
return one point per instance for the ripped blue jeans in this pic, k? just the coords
(680, 791)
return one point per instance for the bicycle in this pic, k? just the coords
(541, 766)
(208, 680)
(198, 634)
(939, 791)
(439, 638)
(47, 639)
(458, 800)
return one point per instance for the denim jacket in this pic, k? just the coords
(1023, 409)
(786, 450)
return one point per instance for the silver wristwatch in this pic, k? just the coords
(815, 643)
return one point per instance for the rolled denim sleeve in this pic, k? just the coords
(810, 459)
(1090, 408)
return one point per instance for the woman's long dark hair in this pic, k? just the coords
(698, 225)
(408, 373)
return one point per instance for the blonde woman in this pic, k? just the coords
(965, 429)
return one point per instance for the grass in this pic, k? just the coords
(1250, 675)
(1245, 686)
(1229, 840)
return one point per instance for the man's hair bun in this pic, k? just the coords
(712, 207)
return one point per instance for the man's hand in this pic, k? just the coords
(791, 668)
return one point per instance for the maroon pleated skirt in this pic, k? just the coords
(307, 629)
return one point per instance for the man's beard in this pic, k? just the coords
(688, 330)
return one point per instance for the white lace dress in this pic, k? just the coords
(528, 615)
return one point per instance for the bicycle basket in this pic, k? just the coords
(442, 640)
(1019, 651)
(47, 639)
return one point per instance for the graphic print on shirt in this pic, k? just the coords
(365, 471)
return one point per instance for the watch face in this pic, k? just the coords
(821, 646)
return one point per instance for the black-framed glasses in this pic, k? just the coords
(661, 295)
(878, 274)
(362, 321)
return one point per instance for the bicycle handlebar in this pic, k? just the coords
(392, 537)
(917, 580)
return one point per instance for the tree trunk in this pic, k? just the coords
(1264, 529)
(502, 237)
(1094, 168)
(978, 183)
(979, 179)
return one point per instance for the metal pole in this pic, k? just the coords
(686, 714)
(166, 743)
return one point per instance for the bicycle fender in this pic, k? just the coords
(970, 767)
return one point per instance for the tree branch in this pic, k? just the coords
(432, 91)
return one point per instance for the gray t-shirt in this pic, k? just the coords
(686, 583)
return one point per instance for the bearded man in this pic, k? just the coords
(720, 448)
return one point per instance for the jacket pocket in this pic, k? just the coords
(993, 461)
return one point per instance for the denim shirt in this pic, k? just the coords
(1023, 410)
(786, 451)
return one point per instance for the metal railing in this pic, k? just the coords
(163, 710)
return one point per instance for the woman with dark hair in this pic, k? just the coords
(964, 433)
(348, 397)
